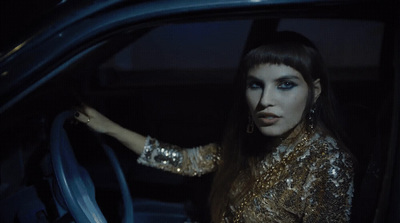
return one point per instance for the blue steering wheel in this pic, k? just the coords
(76, 186)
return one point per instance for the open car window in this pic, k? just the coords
(199, 52)
(209, 52)
(178, 62)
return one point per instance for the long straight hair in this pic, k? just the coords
(282, 48)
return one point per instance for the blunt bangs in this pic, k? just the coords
(293, 55)
(290, 49)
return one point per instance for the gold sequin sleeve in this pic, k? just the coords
(185, 161)
(329, 188)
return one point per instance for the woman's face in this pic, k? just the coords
(277, 96)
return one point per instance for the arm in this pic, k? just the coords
(329, 189)
(185, 161)
(99, 123)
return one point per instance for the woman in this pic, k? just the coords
(280, 160)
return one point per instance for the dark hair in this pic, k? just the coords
(290, 49)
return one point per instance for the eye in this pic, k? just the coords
(286, 85)
(254, 85)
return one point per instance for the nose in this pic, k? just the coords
(267, 98)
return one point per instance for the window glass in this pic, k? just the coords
(192, 52)
(214, 48)
(201, 52)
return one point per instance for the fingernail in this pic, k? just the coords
(76, 114)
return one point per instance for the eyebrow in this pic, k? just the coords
(251, 78)
(285, 77)
(288, 77)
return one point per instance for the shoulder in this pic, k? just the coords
(329, 154)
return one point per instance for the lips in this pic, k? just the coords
(267, 118)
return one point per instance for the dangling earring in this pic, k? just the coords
(250, 125)
(311, 117)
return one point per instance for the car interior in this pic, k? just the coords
(173, 81)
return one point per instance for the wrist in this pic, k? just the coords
(113, 130)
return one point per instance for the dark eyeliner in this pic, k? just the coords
(285, 84)
(253, 83)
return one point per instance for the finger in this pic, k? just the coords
(83, 109)
(81, 117)
(73, 121)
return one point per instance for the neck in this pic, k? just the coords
(287, 138)
(259, 145)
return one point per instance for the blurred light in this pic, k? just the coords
(62, 2)
(13, 50)
(5, 73)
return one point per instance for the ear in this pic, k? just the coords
(317, 89)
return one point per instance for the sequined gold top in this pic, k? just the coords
(308, 181)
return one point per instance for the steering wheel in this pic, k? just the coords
(76, 186)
